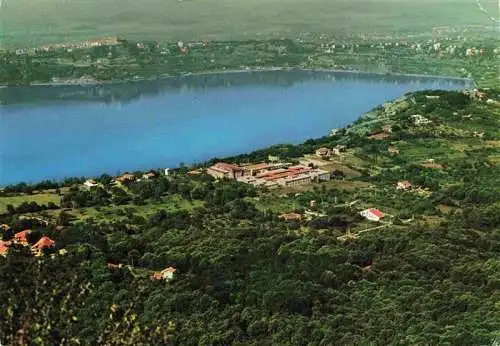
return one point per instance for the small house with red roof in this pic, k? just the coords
(166, 274)
(149, 175)
(43, 243)
(126, 177)
(372, 214)
(22, 237)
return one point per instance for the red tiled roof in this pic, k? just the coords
(125, 176)
(276, 176)
(299, 168)
(213, 168)
(261, 165)
(377, 212)
(272, 173)
(284, 173)
(226, 167)
(22, 236)
(44, 243)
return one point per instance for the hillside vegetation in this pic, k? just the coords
(427, 274)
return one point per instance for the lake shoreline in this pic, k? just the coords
(76, 82)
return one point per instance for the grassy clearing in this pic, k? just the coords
(275, 203)
(447, 209)
(494, 159)
(41, 199)
(492, 144)
(467, 144)
(349, 172)
(34, 22)
(112, 213)
(418, 150)
(329, 185)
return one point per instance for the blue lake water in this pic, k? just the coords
(56, 132)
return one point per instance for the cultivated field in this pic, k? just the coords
(35, 22)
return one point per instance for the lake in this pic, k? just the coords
(52, 132)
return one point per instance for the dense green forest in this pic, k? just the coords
(429, 276)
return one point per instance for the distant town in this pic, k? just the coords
(118, 59)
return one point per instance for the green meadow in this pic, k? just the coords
(41, 199)
(36, 22)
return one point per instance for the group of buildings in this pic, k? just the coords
(270, 175)
(327, 152)
(124, 178)
(105, 41)
(430, 46)
(166, 274)
(22, 238)
(274, 173)
(370, 214)
(476, 94)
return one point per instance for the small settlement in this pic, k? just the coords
(22, 238)
(166, 274)
(270, 175)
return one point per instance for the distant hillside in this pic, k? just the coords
(31, 23)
